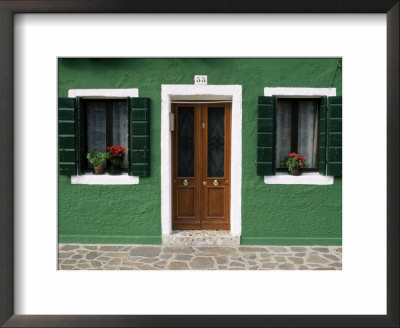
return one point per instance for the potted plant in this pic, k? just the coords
(294, 162)
(97, 159)
(116, 155)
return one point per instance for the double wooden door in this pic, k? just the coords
(201, 150)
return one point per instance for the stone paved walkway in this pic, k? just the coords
(146, 257)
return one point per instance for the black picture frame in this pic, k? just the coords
(10, 7)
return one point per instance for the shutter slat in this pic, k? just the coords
(266, 136)
(139, 141)
(322, 135)
(66, 136)
(334, 148)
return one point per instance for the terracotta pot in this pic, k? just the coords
(98, 169)
(295, 171)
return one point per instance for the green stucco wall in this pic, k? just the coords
(271, 214)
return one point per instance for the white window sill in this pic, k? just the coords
(105, 179)
(307, 178)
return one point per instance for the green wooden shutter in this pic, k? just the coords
(266, 138)
(67, 136)
(81, 127)
(139, 141)
(334, 148)
(322, 135)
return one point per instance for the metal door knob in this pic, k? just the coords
(215, 183)
(185, 182)
(204, 183)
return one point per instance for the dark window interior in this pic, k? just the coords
(105, 124)
(298, 130)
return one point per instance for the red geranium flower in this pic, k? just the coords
(117, 154)
(293, 160)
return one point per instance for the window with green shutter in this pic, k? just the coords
(89, 124)
(310, 127)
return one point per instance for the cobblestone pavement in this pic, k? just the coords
(146, 257)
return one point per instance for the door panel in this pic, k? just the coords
(216, 166)
(185, 174)
(185, 202)
(215, 202)
(201, 166)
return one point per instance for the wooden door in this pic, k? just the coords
(201, 143)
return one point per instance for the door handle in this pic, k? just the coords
(204, 183)
(215, 183)
(185, 182)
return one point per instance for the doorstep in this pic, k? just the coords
(200, 238)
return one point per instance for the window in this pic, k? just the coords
(309, 126)
(297, 130)
(86, 124)
(106, 124)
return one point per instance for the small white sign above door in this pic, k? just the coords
(200, 79)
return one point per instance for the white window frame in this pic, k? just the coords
(307, 178)
(104, 179)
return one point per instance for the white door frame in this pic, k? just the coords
(202, 92)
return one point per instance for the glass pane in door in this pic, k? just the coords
(186, 142)
(216, 141)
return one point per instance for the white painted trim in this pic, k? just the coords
(202, 92)
(104, 179)
(200, 98)
(308, 178)
(299, 92)
(103, 93)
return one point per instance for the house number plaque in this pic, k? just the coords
(200, 79)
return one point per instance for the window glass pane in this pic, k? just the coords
(120, 127)
(96, 126)
(216, 141)
(284, 127)
(186, 142)
(308, 131)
